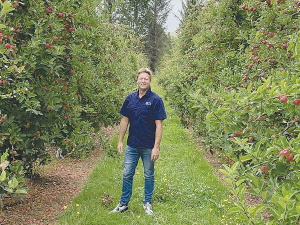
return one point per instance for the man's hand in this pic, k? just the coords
(120, 148)
(154, 154)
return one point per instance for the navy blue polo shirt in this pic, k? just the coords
(142, 113)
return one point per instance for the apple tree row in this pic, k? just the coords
(233, 76)
(65, 71)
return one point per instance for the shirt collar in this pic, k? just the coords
(147, 93)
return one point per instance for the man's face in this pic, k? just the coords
(143, 81)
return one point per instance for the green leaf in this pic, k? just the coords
(234, 166)
(21, 191)
(239, 182)
(270, 150)
(13, 183)
(4, 155)
(224, 172)
(264, 194)
(229, 181)
(234, 210)
(6, 8)
(257, 147)
(253, 192)
(242, 217)
(246, 158)
(3, 176)
(259, 208)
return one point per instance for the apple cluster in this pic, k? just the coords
(283, 99)
(288, 156)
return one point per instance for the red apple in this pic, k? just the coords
(289, 158)
(283, 99)
(15, 5)
(284, 152)
(55, 39)
(14, 152)
(264, 168)
(284, 46)
(296, 101)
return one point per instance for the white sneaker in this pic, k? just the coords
(119, 208)
(148, 208)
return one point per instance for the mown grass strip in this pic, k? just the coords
(187, 191)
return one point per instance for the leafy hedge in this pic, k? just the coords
(65, 71)
(233, 76)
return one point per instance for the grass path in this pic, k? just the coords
(187, 191)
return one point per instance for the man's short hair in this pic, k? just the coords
(144, 70)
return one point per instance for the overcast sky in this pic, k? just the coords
(172, 22)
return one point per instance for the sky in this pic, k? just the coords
(173, 22)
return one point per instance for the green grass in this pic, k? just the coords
(187, 191)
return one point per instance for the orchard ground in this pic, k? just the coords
(50, 193)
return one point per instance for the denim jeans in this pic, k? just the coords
(131, 159)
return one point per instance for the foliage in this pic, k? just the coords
(155, 35)
(147, 19)
(64, 71)
(11, 177)
(233, 76)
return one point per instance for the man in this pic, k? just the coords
(144, 111)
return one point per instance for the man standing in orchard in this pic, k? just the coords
(144, 111)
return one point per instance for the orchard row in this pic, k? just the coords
(64, 71)
(234, 77)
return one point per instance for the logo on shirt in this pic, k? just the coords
(148, 103)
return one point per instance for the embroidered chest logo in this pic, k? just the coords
(148, 103)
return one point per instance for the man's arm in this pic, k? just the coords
(158, 136)
(123, 128)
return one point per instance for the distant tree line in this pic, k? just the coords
(147, 18)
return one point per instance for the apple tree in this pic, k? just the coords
(65, 71)
(233, 76)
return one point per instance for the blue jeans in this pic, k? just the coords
(131, 159)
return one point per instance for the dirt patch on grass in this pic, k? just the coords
(57, 185)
